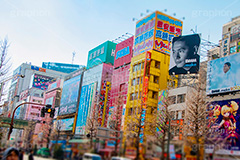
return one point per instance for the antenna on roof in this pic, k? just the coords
(73, 56)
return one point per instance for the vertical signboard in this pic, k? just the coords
(69, 97)
(166, 28)
(223, 74)
(146, 75)
(225, 44)
(235, 33)
(85, 104)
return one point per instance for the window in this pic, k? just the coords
(172, 100)
(138, 80)
(130, 110)
(133, 82)
(181, 98)
(155, 95)
(232, 49)
(153, 110)
(157, 64)
(143, 65)
(132, 96)
(156, 79)
(121, 87)
(183, 114)
(172, 113)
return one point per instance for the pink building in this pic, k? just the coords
(120, 77)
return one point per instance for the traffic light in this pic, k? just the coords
(49, 110)
(43, 112)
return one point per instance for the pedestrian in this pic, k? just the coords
(21, 152)
(11, 154)
(30, 157)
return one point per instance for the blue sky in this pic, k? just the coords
(50, 30)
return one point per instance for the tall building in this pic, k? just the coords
(149, 66)
(231, 37)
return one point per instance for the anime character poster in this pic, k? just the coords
(225, 122)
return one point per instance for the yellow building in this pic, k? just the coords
(158, 78)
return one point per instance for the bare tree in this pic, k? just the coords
(116, 119)
(45, 129)
(28, 135)
(5, 65)
(160, 129)
(55, 134)
(196, 122)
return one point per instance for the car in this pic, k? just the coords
(120, 158)
(44, 152)
(91, 156)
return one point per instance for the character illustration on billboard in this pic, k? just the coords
(185, 54)
(226, 121)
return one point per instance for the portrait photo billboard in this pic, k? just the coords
(222, 75)
(184, 57)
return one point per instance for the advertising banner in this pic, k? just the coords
(123, 53)
(222, 75)
(156, 31)
(42, 82)
(162, 95)
(166, 28)
(49, 101)
(225, 125)
(61, 67)
(69, 97)
(144, 34)
(184, 58)
(84, 107)
(66, 124)
(103, 53)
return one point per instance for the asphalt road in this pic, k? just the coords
(36, 158)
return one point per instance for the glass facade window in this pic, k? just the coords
(155, 95)
(181, 98)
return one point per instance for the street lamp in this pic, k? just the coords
(11, 124)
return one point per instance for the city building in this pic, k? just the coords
(231, 37)
(149, 67)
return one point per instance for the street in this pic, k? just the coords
(36, 157)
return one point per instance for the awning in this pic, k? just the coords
(78, 140)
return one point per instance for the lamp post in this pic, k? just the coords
(11, 124)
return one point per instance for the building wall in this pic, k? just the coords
(158, 81)
(33, 112)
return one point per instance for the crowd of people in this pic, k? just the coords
(12, 153)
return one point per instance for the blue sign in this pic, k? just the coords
(61, 67)
(123, 52)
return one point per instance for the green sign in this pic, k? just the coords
(17, 123)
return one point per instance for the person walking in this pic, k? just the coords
(30, 157)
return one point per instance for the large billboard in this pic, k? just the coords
(184, 58)
(235, 33)
(61, 67)
(123, 52)
(103, 53)
(85, 104)
(41, 82)
(225, 126)
(222, 75)
(156, 31)
(166, 28)
(69, 97)
(64, 124)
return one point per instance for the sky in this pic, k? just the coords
(51, 30)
